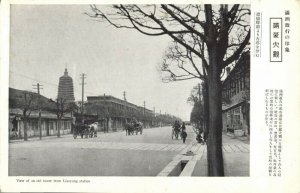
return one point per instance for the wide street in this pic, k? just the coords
(110, 154)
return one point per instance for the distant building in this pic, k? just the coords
(112, 113)
(236, 98)
(65, 88)
(115, 112)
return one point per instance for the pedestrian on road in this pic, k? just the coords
(183, 132)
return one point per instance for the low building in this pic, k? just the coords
(49, 124)
(113, 113)
(20, 100)
(236, 98)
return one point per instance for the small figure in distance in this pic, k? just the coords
(183, 132)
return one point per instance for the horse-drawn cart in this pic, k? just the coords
(132, 128)
(84, 130)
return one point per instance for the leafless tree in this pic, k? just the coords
(27, 107)
(62, 107)
(206, 40)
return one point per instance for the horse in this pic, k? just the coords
(129, 128)
(78, 130)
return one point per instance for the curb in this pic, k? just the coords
(183, 164)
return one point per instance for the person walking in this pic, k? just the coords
(183, 132)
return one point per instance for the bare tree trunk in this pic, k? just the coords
(40, 125)
(58, 127)
(25, 129)
(214, 145)
(206, 109)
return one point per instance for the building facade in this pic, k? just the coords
(49, 124)
(112, 113)
(65, 88)
(236, 98)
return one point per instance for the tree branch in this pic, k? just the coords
(237, 53)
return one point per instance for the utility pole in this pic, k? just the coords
(144, 107)
(160, 119)
(105, 114)
(154, 118)
(124, 95)
(124, 107)
(200, 103)
(82, 76)
(144, 113)
(38, 87)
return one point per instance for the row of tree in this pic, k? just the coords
(197, 114)
(206, 39)
(28, 101)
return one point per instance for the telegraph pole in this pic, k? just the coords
(124, 95)
(124, 107)
(200, 102)
(105, 114)
(144, 107)
(144, 113)
(160, 118)
(38, 87)
(154, 117)
(82, 76)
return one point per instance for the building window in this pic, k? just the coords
(241, 83)
(234, 86)
(231, 88)
(238, 78)
(228, 90)
(237, 118)
(242, 78)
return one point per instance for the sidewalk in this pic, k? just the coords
(236, 155)
(37, 138)
(244, 139)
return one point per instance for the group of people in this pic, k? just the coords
(83, 129)
(177, 128)
(134, 122)
(181, 129)
(201, 135)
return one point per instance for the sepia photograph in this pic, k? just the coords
(129, 90)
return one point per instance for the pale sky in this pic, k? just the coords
(47, 38)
